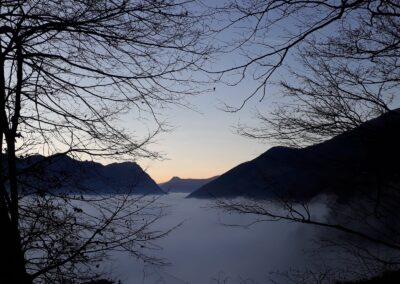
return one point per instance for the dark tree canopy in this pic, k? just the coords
(68, 70)
(335, 66)
(336, 63)
(75, 65)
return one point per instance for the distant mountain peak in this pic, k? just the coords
(186, 185)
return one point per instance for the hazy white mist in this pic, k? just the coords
(204, 249)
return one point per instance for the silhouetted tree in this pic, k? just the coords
(333, 49)
(339, 61)
(67, 70)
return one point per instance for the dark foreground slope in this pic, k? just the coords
(358, 158)
(185, 185)
(64, 174)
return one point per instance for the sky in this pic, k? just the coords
(204, 141)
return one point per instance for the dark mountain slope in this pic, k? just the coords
(355, 159)
(62, 173)
(177, 184)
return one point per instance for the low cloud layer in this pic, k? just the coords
(204, 250)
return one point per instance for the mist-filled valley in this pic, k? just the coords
(318, 214)
(210, 245)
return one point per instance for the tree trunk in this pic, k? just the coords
(12, 268)
(12, 258)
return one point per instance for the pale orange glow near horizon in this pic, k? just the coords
(198, 165)
(204, 143)
(162, 171)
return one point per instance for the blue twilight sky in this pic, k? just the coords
(204, 143)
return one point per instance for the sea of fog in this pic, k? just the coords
(208, 247)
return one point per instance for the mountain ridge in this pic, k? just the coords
(184, 185)
(65, 174)
(336, 165)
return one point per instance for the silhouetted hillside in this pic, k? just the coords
(187, 185)
(358, 158)
(62, 173)
(388, 277)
